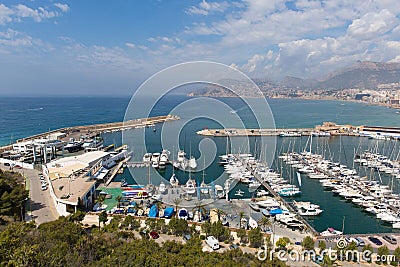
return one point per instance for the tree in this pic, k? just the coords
(219, 231)
(321, 245)
(255, 237)
(308, 243)
(206, 227)
(102, 218)
(281, 243)
(383, 251)
(219, 213)
(241, 215)
(370, 249)
(131, 222)
(241, 234)
(177, 202)
(118, 199)
(396, 254)
(78, 216)
(178, 226)
(264, 222)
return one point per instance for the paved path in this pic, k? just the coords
(40, 206)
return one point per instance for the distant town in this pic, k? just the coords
(385, 94)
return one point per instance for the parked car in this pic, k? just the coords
(318, 259)
(17, 167)
(352, 239)
(187, 237)
(233, 246)
(44, 187)
(6, 164)
(375, 240)
(390, 239)
(154, 235)
(361, 242)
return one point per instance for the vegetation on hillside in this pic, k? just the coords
(12, 196)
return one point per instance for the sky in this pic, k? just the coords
(97, 47)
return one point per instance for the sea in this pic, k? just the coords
(22, 117)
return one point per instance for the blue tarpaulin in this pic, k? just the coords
(153, 213)
(168, 212)
(275, 211)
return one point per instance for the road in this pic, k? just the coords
(40, 206)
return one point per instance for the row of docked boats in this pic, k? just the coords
(243, 168)
(157, 160)
(160, 160)
(379, 163)
(299, 134)
(370, 195)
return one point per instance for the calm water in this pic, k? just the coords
(23, 117)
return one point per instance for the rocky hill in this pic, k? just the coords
(363, 75)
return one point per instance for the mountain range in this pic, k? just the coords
(362, 75)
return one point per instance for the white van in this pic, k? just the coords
(212, 242)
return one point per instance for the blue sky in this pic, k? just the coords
(110, 47)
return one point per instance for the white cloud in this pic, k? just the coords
(20, 11)
(63, 7)
(5, 14)
(130, 45)
(373, 23)
(204, 8)
(14, 38)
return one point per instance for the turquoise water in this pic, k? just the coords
(22, 117)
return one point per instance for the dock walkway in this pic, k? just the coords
(280, 199)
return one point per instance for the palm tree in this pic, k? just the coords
(219, 213)
(241, 215)
(177, 202)
(200, 208)
(264, 222)
(118, 199)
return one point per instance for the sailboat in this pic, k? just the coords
(173, 180)
(203, 185)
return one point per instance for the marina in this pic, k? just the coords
(341, 149)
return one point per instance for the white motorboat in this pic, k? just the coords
(253, 223)
(254, 206)
(192, 163)
(162, 188)
(268, 203)
(147, 157)
(181, 156)
(331, 232)
(309, 211)
(219, 191)
(190, 186)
